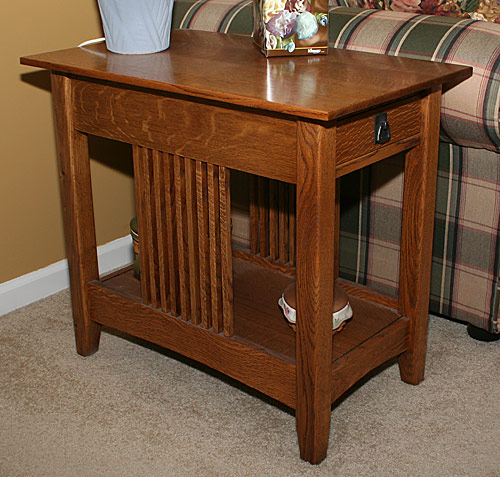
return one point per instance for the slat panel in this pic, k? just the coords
(184, 211)
(203, 245)
(214, 241)
(225, 250)
(272, 220)
(192, 238)
(181, 246)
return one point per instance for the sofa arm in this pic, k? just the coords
(469, 113)
(225, 16)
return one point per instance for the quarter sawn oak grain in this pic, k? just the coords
(212, 103)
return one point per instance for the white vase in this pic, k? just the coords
(136, 26)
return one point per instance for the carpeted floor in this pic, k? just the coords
(131, 410)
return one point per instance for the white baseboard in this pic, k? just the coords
(42, 283)
(36, 285)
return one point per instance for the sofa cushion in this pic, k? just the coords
(465, 266)
(470, 111)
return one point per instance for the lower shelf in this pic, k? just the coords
(262, 351)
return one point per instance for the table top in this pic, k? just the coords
(229, 68)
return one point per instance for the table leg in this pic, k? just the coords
(315, 277)
(78, 213)
(416, 238)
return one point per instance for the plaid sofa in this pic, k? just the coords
(466, 254)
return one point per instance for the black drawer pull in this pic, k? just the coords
(382, 129)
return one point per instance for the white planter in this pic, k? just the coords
(136, 26)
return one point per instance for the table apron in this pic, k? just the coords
(261, 144)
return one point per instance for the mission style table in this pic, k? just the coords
(210, 104)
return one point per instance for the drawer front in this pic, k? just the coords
(355, 135)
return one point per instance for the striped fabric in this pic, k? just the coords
(485, 10)
(225, 16)
(465, 265)
(466, 257)
(470, 115)
(465, 269)
(466, 251)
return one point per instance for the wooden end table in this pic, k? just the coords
(211, 104)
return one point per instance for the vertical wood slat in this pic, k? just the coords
(183, 211)
(140, 192)
(192, 238)
(180, 225)
(143, 171)
(292, 193)
(171, 236)
(150, 225)
(161, 227)
(226, 252)
(203, 245)
(283, 222)
(254, 215)
(262, 195)
(337, 230)
(214, 241)
(274, 219)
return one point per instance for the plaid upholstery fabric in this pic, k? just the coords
(371, 225)
(464, 278)
(225, 16)
(485, 10)
(465, 254)
(466, 249)
(469, 113)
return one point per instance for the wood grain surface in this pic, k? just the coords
(246, 141)
(211, 103)
(419, 197)
(78, 213)
(259, 322)
(228, 68)
(315, 267)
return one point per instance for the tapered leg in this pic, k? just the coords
(78, 216)
(416, 238)
(315, 270)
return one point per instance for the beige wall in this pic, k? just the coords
(31, 234)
